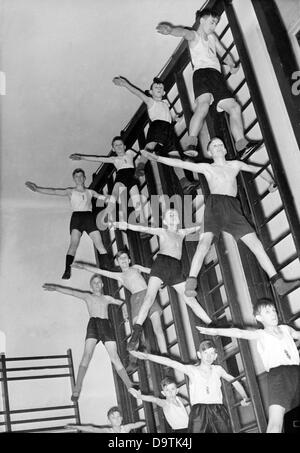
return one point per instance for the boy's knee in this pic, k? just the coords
(203, 245)
(235, 108)
(202, 108)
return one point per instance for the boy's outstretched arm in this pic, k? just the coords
(99, 196)
(135, 425)
(239, 388)
(198, 168)
(138, 228)
(191, 230)
(264, 175)
(230, 332)
(96, 270)
(64, 290)
(122, 82)
(47, 190)
(159, 359)
(114, 301)
(86, 428)
(148, 398)
(144, 269)
(165, 28)
(92, 158)
(228, 60)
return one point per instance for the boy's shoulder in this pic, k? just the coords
(100, 297)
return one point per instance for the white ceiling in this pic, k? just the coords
(59, 57)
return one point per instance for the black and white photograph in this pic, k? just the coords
(150, 219)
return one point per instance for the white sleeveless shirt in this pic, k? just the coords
(160, 110)
(126, 161)
(176, 416)
(81, 201)
(203, 391)
(203, 53)
(276, 351)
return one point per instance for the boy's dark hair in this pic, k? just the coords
(212, 140)
(166, 381)
(207, 12)
(206, 344)
(117, 137)
(78, 170)
(112, 410)
(156, 80)
(122, 252)
(262, 303)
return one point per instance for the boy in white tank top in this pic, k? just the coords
(172, 406)
(82, 219)
(208, 414)
(277, 349)
(161, 137)
(125, 180)
(209, 84)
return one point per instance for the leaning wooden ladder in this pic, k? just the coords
(57, 367)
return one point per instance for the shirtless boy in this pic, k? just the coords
(130, 277)
(166, 269)
(223, 212)
(99, 328)
(115, 420)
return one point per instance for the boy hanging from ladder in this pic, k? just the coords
(209, 84)
(99, 329)
(125, 177)
(166, 269)
(280, 356)
(223, 212)
(208, 413)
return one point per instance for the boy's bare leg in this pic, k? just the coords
(275, 422)
(104, 261)
(158, 332)
(192, 303)
(89, 347)
(152, 290)
(74, 242)
(96, 238)
(198, 258)
(112, 202)
(256, 247)
(137, 204)
(140, 168)
(232, 107)
(111, 347)
(196, 123)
